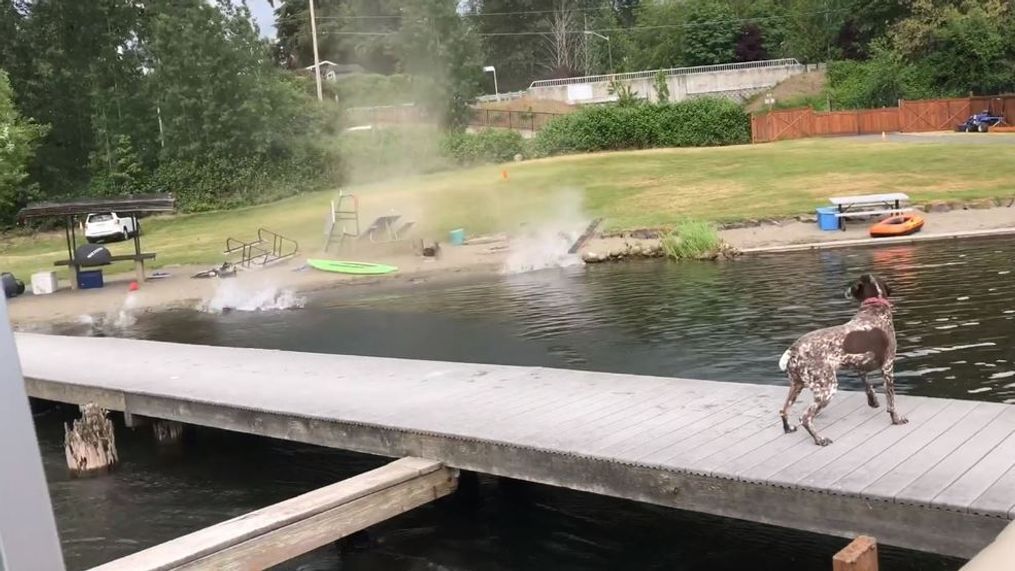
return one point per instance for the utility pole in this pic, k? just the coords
(317, 61)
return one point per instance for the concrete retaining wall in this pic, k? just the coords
(737, 81)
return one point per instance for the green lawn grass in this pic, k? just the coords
(631, 189)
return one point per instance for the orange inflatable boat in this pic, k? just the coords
(897, 225)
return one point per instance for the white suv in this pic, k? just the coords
(108, 227)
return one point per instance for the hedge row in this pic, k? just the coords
(701, 122)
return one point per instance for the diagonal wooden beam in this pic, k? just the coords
(285, 530)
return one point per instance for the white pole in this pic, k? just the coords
(317, 62)
(28, 538)
(162, 136)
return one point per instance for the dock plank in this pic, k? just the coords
(979, 478)
(842, 461)
(904, 474)
(850, 404)
(884, 461)
(960, 461)
(998, 497)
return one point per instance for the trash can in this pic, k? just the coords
(457, 237)
(827, 219)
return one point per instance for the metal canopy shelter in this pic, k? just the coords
(124, 205)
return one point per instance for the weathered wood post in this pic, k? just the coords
(90, 445)
(167, 432)
(860, 555)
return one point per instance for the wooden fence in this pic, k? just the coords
(908, 117)
(522, 120)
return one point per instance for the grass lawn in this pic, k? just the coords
(631, 189)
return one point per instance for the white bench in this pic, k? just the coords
(861, 206)
(865, 213)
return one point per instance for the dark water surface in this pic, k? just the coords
(955, 315)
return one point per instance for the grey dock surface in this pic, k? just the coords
(943, 483)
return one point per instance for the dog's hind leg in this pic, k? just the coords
(824, 388)
(795, 386)
(872, 397)
(889, 375)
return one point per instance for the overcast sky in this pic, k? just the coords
(264, 16)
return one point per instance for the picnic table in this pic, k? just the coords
(865, 205)
(386, 229)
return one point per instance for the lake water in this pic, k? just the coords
(955, 316)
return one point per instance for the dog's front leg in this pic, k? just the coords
(887, 371)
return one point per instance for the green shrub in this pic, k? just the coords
(698, 122)
(691, 239)
(219, 183)
(486, 146)
(878, 82)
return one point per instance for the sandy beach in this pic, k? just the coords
(282, 285)
(937, 223)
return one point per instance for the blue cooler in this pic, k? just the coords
(90, 279)
(457, 236)
(827, 219)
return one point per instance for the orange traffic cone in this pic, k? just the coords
(503, 174)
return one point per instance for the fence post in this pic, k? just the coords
(510, 113)
(532, 121)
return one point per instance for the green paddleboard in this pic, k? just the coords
(361, 268)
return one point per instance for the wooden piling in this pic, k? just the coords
(860, 555)
(167, 432)
(90, 444)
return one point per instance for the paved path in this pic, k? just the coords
(945, 482)
(947, 137)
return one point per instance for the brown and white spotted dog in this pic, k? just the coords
(865, 344)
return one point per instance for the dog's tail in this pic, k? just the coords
(784, 360)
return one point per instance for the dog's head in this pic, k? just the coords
(868, 286)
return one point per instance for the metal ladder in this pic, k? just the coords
(345, 209)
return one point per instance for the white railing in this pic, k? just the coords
(785, 62)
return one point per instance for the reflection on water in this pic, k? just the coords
(955, 306)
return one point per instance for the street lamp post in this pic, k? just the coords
(609, 45)
(493, 70)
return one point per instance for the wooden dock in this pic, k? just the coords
(943, 483)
